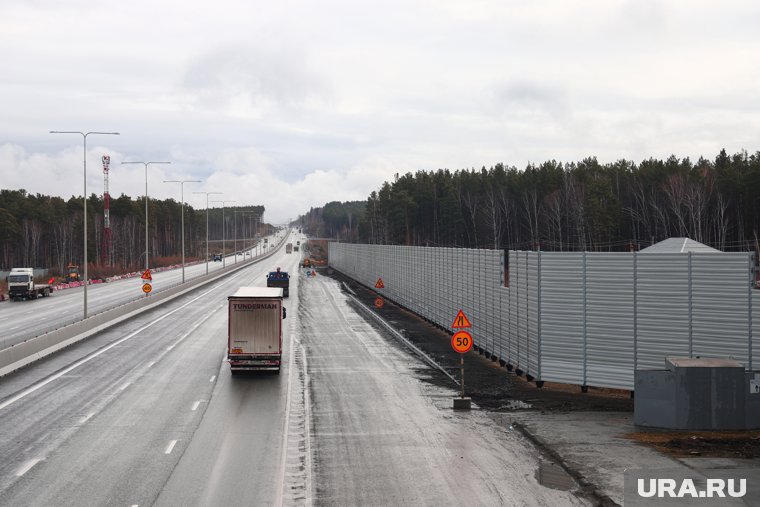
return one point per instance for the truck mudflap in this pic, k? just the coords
(254, 363)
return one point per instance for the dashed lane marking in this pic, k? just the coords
(27, 466)
(29, 390)
(170, 447)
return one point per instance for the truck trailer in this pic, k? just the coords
(21, 285)
(254, 330)
(289, 248)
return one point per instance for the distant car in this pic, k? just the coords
(218, 257)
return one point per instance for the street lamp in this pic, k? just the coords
(146, 204)
(84, 136)
(207, 194)
(244, 213)
(224, 244)
(182, 206)
(255, 244)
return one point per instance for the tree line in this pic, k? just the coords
(47, 231)
(570, 206)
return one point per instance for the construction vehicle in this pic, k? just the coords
(254, 340)
(279, 279)
(72, 274)
(21, 285)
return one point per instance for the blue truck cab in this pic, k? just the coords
(279, 279)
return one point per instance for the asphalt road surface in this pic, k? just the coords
(148, 414)
(21, 320)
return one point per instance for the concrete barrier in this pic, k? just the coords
(33, 349)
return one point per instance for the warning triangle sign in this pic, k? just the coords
(461, 321)
(146, 275)
(379, 284)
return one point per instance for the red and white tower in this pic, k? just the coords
(106, 213)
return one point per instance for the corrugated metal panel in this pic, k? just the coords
(514, 309)
(663, 308)
(562, 317)
(521, 338)
(609, 320)
(755, 328)
(532, 339)
(720, 309)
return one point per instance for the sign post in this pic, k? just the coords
(378, 300)
(147, 279)
(461, 342)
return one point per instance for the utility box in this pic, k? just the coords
(698, 394)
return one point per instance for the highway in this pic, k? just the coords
(21, 320)
(147, 413)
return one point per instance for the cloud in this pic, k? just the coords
(293, 103)
(247, 81)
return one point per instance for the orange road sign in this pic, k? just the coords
(146, 275)
(379, 303)
(461, 341)
(461, 321)
(147, 288)
(379, 284)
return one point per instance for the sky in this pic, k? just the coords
(295, 103)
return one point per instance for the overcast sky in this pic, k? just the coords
(295, 103)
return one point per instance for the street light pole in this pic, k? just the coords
(243, 212)
(207, 194)
(182, 207)
(147, 265)
(224, 244)
(84, 136)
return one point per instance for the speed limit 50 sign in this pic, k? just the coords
(461, 341)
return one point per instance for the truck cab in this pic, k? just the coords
(21, 285)
(280, 279)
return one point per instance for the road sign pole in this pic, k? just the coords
(461, 368)
(461, 342)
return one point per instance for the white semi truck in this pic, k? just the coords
(254, 329)
(21, 285)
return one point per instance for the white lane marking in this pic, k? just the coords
(212, 378)
(87, 417)
(151, 364)
(29, 390)
(169, 347)
(125, 386)
(27, 466)
(170, 447)
(195, 405)
(15, 327)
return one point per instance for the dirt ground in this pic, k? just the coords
(494, 388)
